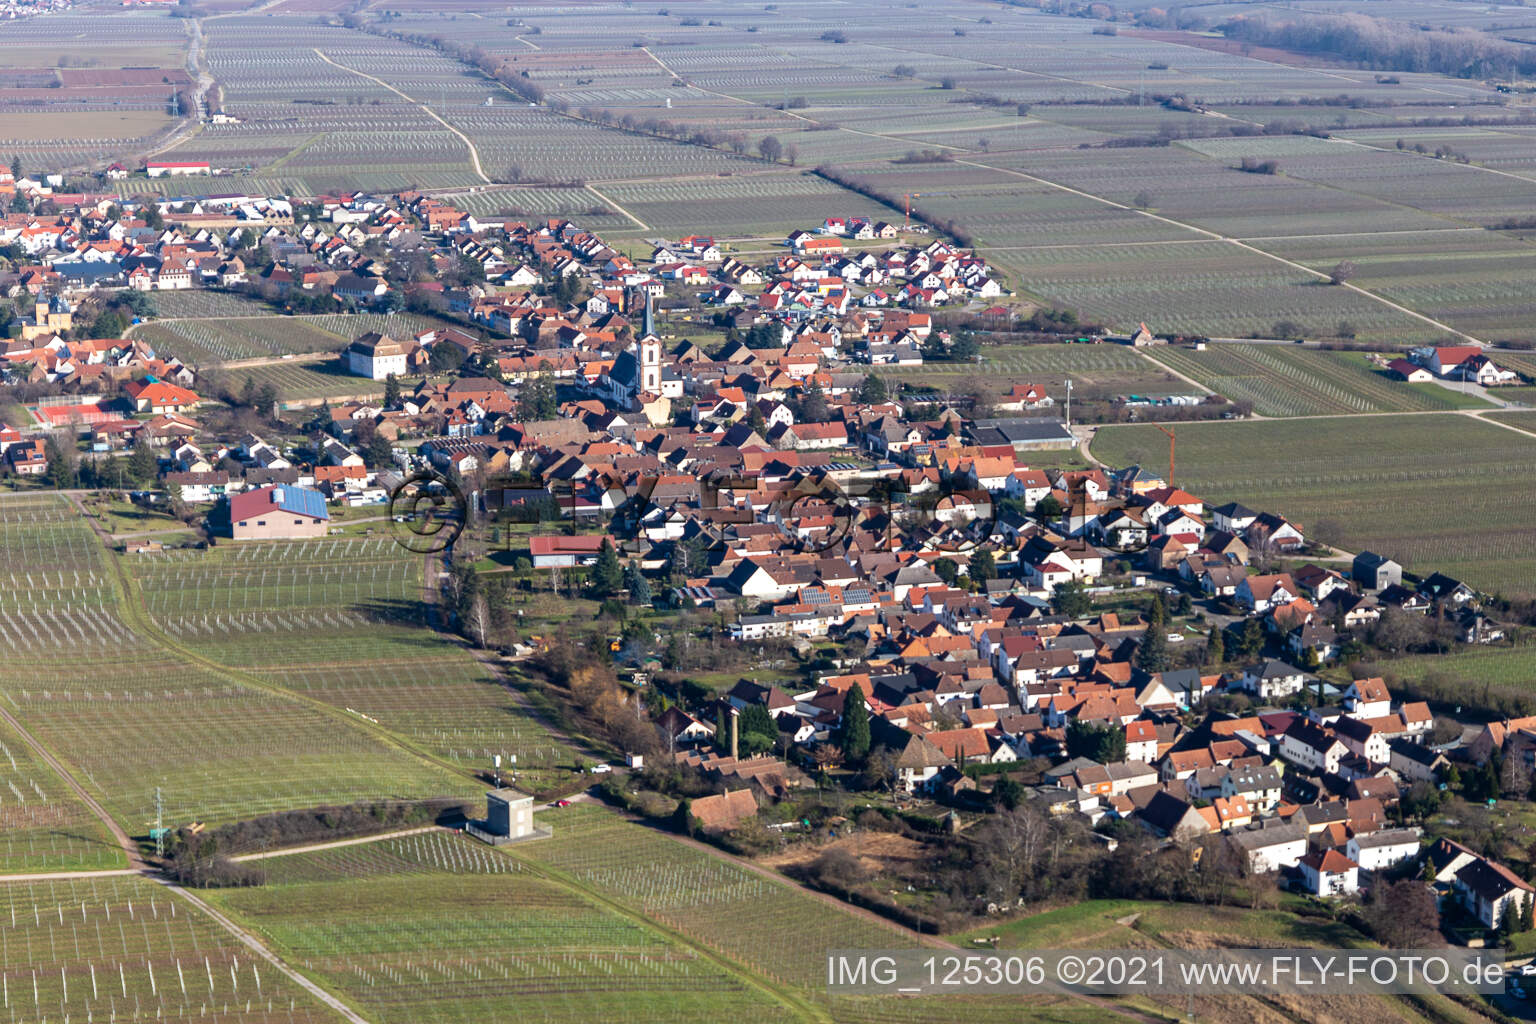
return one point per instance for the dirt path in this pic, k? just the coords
(256, 946)
(474, 154)
(1218, 237)
(336, 844)
(642, 225)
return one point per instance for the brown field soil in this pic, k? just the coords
(171, 54)
(95, 124)
(884, 853)
(1220, 45)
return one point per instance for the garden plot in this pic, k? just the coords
(123, 949)
(370, 921)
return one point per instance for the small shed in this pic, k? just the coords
(508, 818)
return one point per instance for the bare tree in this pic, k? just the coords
(1342, 271)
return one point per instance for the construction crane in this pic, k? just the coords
(1169, 432)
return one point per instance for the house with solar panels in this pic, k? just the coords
(278, 513)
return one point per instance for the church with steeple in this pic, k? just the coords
(638, 382)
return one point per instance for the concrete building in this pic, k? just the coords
(508, 818)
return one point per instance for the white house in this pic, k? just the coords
(1329, 873)
(1382, 849)
(1312, 747)
(1271, 845)
(375, 356)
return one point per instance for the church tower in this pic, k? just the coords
(650, 353)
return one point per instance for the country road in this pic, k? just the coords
(474, 154)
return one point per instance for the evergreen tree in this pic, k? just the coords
(812, 407)
(1252, 640)
(982, 568)
(853, 731)
(946, 570)
(1152, 653)
(143, 465)
(638, 586)
(607, 573)
(872, 391)
(391, 391)
(537, 400)
(683, 821)
(1215, 647)
(1157, 615)
(1527, 914)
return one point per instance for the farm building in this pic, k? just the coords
(270, 513)
(560, 552)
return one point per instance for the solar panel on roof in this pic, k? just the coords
(304, 502)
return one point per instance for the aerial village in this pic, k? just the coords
(1155, 657)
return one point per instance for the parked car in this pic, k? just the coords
(601, 769)
(1175, 638)
(562, 803)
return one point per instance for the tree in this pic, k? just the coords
(1102, 743)
(1403, 915)
(683, 821)
(1143, 201)
(853, 730)
(63, 457)
(152, 217)
(758, 731)
(16, 167)
(770, 148)
(1342, 271)
(1152, 652)
(1049, 507)
(1008, 793)
(872, 391)
(1215, 646)
(445, 358)
(1251, 641)
(982, 568)
(391, 392)
(946, 569)
(1071, 599)
(143, 464)
(638, 586)
(812, 405)
(536, 400)
(110, 324)
(607, 573)
(378, 452)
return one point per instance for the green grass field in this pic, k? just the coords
(1436, 492)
